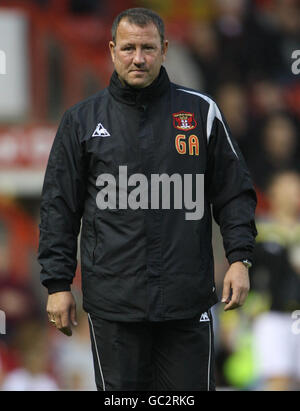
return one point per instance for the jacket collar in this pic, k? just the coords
(135, 97)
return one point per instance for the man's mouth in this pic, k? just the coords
(138, 71)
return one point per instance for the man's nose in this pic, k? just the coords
(139, 58)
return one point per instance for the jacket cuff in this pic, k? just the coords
(57, 286)
(239, 255)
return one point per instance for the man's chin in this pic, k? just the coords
(138, 81)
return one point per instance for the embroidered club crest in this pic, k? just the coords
(184, 121)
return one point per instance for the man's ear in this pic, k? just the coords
(112, 50)
(165, 49)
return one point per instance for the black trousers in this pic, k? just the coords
(153, 356)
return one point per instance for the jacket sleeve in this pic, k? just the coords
(230, 191)
(61, 208)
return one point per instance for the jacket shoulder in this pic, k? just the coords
(193, 94)
(78, 116)
(89, 102)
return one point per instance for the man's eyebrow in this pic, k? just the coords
(134, 45)
(128, 45)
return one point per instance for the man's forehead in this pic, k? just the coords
(127, 30)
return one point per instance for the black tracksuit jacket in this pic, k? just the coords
(144, 264)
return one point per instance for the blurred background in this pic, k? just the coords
(54, 53)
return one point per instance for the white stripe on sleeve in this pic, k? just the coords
(213, 113)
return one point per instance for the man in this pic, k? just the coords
(147, 263)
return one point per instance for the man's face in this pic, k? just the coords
(137, 54)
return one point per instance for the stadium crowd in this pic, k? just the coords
(240, 53)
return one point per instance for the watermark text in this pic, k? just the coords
(296, 323)
(2, 322)
(2, 62)
(160, 191)
(296, 63)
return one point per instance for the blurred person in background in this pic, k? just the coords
(16, 295)
(266, 98)
(205, 50)
(276, 276)
(247, 48)
(283, 21)
(82, 7)
(277, 148)
(256, 346)
(33, 373)
(18, 300)
(233, 101)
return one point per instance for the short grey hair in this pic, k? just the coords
(141, 17)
